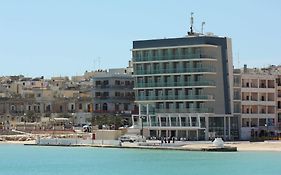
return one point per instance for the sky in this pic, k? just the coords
(68, 37)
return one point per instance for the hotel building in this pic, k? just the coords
(184, 87)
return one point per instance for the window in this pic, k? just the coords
(89, 108)
(117, 94)
(98, 94)
(279, 117)
(117, 82)
(97, 107)
(126, 106)
(105, 94)
(117, 107)
(80, 106)
(104, 107)
(98, 83)
(105, 82)
(165, 52)
(48, 108)
(127, 83)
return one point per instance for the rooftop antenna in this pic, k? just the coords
(191, 24)
(238, 61)
(202, 27)
(99, 63)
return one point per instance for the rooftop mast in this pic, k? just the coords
(191, 24)
(202, 28)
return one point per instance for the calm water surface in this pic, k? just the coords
(32, 160)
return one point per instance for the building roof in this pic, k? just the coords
(170, 42)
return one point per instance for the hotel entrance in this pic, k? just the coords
(180, 135)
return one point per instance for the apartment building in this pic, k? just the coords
(278, 82)
(184, 88)
(113, 92)
(256, 99)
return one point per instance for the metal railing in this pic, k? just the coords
(171, 84)
(171, 57)
(186, 110)
(175, 70)
(176, 97)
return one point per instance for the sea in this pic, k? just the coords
(44, 160)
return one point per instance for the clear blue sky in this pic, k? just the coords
(64, 37)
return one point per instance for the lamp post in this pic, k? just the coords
(266, 125)
(24, 116)
(142, 117)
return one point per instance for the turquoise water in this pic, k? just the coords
(32, 160)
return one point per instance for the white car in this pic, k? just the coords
(131, 138)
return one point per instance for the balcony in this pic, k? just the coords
(236, 71)
(179, 70)
(237, 97)
(113, 112)
(175, 97)
(175, 84)
(170, 57)
(114, 86)
(109, 98)
(186, 110)
(266, 103)
(172, 124)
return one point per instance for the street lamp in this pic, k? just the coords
(142, 117)
(24, 116)
(266, 125)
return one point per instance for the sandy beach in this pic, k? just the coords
(244, 145)
(257, 146)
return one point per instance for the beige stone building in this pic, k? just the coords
(257, 101)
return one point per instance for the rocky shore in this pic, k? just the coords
(17, 138)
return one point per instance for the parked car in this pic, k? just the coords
(132, 138)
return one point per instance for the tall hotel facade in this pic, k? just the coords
(184, 87)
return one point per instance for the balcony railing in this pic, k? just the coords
(172, 84)
(236, 97)
(114, 86)
(175, 70)
(170, 57)
(176, 97)
(186, 110)
(114, 98)
(173, 124)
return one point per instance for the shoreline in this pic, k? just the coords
(268, 145)
(242, 146)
